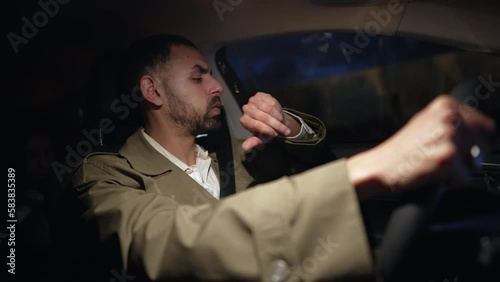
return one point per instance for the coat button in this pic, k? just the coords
(279, 271)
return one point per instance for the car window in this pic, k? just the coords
(362, 90)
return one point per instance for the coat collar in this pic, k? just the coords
(147, 160)
(143, 157)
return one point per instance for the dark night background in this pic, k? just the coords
(45, 86)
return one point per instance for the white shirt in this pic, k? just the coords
(202, 172)
(304, 128)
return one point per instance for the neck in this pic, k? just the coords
(175, 140)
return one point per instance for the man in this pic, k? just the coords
(154, 207)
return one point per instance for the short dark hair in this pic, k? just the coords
(146, 54)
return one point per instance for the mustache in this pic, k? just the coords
(214, 101)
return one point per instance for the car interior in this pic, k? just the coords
(364, 67)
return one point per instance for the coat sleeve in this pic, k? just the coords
(283, 156)
(307, 226)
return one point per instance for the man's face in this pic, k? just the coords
(191, 93)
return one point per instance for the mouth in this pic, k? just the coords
(216, 108)
(216, 105)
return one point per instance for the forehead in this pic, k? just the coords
(185, 57)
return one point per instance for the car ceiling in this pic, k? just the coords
(469, 24)
(51, 69)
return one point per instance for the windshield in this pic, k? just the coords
(362, 92)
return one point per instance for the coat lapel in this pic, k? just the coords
(160, 175)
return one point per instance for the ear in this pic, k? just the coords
(148, 85)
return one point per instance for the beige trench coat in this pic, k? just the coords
(145, 219)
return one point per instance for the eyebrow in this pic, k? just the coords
(202, 69)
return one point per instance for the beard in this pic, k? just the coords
(187, 117)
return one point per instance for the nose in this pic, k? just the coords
(216, 87)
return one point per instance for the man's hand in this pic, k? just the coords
(264, 117)
(434, 145)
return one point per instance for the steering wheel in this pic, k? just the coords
(406, 226)
(409, 221)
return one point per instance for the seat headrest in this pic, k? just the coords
(113, 113)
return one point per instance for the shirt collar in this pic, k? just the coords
(203, 160)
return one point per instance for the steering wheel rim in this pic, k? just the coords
(405, 228)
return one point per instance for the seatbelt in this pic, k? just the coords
(219, 141)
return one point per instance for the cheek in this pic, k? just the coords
(202, 105)
(192, 94)
(198, 98)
